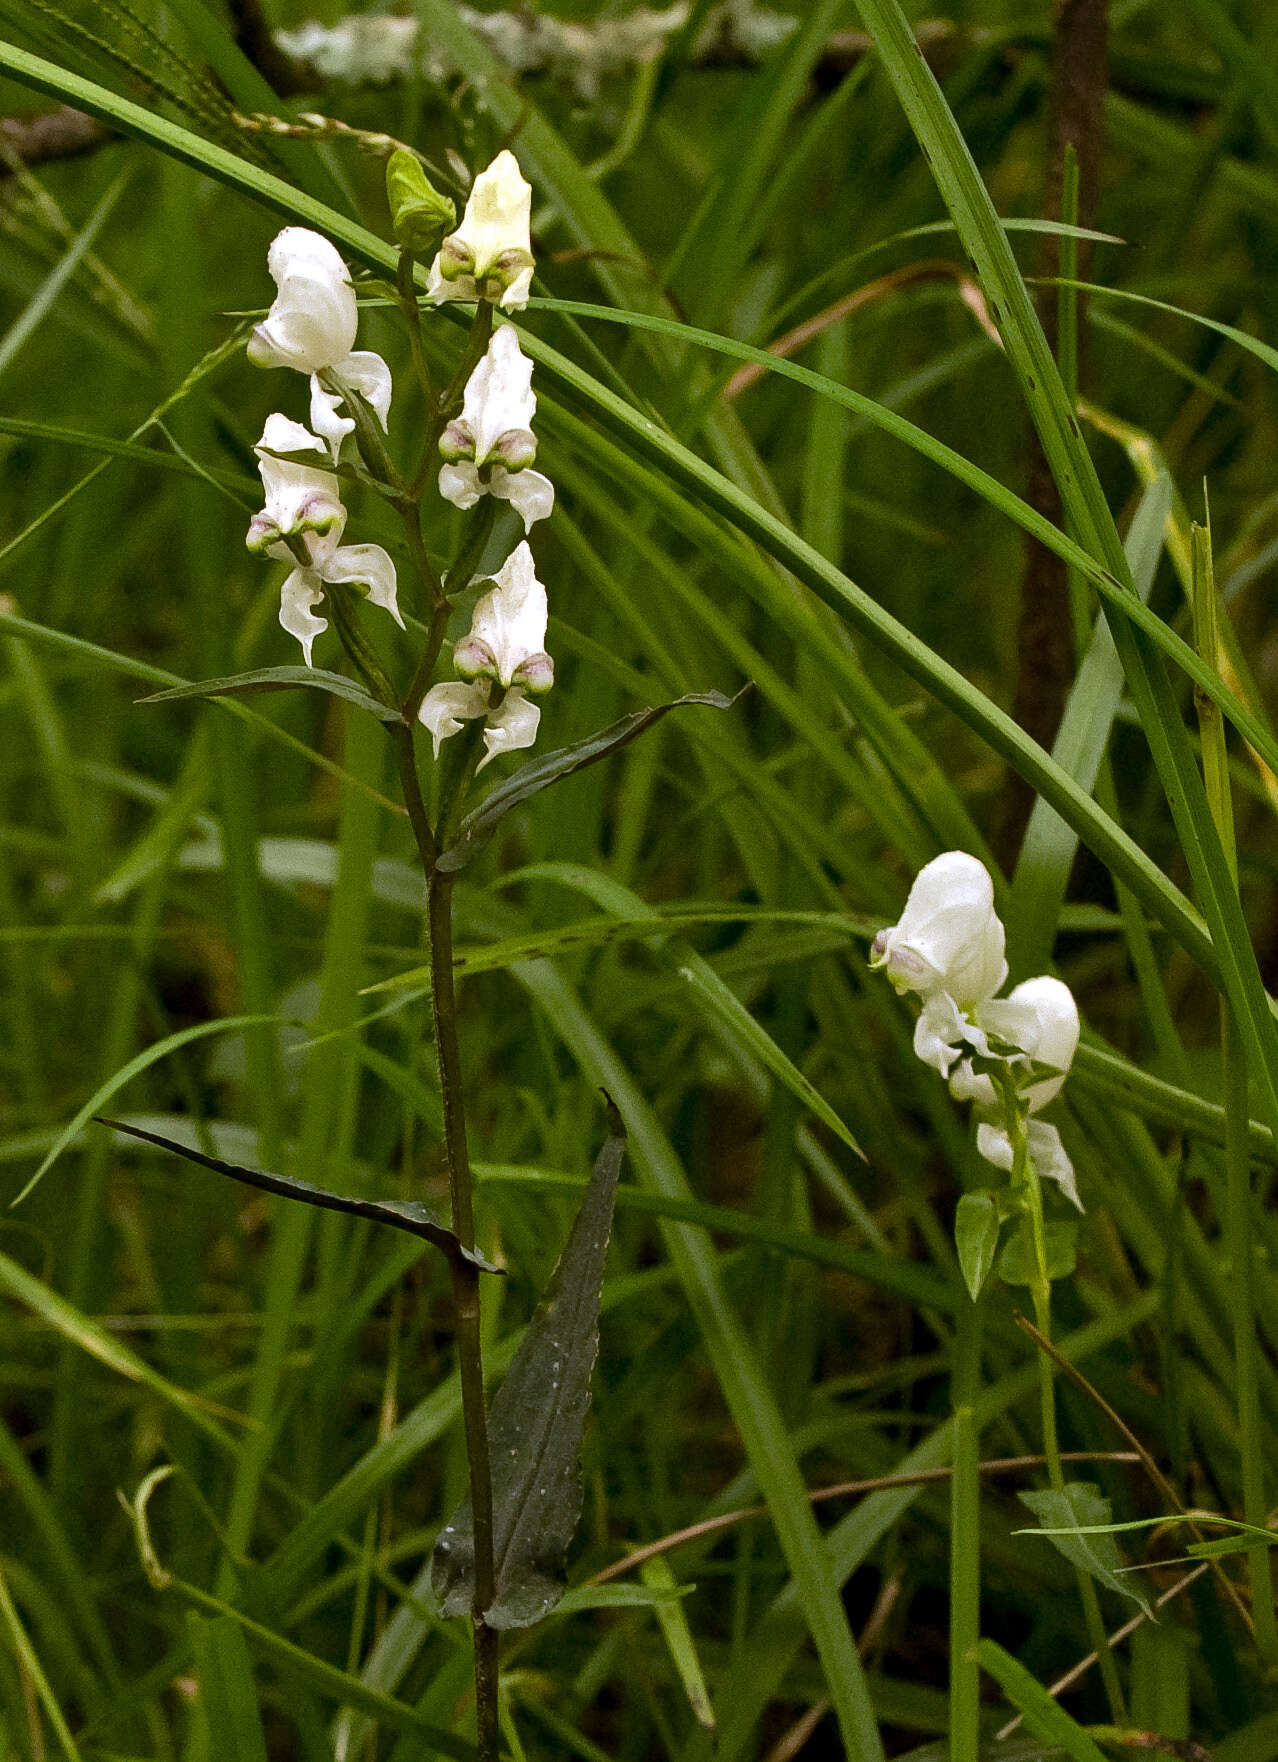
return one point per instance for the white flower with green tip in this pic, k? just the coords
(490, 446)
(490, 254)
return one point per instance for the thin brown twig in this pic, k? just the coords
(844, 1489)
(933, 269)
(1119, 1634)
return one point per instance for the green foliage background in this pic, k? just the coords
(167, 867)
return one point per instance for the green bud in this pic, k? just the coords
(419, 214)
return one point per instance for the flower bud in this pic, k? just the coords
(420, 216)
(455, 259)
(536, 674)
(457, 441)
(473, 656)
(516, 449)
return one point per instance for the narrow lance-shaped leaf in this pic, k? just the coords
(278, 679)
(535, 1429)
(411, 1215)
(478, 827)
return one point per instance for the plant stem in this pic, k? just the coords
(407, 286)
(465, 1277)
(465, 1304)
(965, 1538)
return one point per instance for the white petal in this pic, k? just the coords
(515, 297)
(459, 484)
(326, 419)
(512, 725)
(299, 596)
(499, 394)
(498, 217)
(371, 566)
(298, 498)
(365, 372)
(949, 937)
(313, 318)
(1041, 1018)
(528, 492)
(1050, 1158)
(510, 620)
(941, 1033)
(993, 1143)
(439, 290)
(446, 707)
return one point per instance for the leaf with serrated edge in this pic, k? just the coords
(278, 679)
(478, 827)
(535, 1429)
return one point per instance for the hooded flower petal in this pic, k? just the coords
(499, 398)
(1047, 1153)
(300, 501)
(446, 707)
(366, 566)
(949, 937)
(299, 596)
(1040, 1019)
(493, 240)
(512, 725)
(460, 484)
(508, 625)
(312, 321)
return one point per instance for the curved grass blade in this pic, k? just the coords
(126, 1073)
(535, 1428)
(1044, 1716)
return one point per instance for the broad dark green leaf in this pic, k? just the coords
(402, 1214)
(1083, 1504)
(278, 679)
(530, 779)
(535, 1429)
(976, 1223)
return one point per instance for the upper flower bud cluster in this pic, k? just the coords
(948, 946)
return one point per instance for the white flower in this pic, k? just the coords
(300, 501)
(1047, 1153)
(302, 505)
(312, 321)
(490, 446)
(507, 639)
(311, 327)
(949, 937)
(493, 241)
(511, 724)
(942, 1031)
(1040, 1019)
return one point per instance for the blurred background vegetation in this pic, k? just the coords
(164, 867)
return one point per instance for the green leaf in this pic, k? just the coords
(530, 779)
(672, 1619)
(402, 1214)
(1081, 1503)
(265, 679)
(1017, 1265)
(623, 1596)
(1046, 1718)
(535, 1429)
(227, 1694)
(976, 1225)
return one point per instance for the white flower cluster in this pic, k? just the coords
(948, 947)
(311, 328)
(489, 450)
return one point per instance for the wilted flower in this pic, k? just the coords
(311, 327)
(490, 446)
(511, 724)
(949, 937)
(302, 522)
(490, 254)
